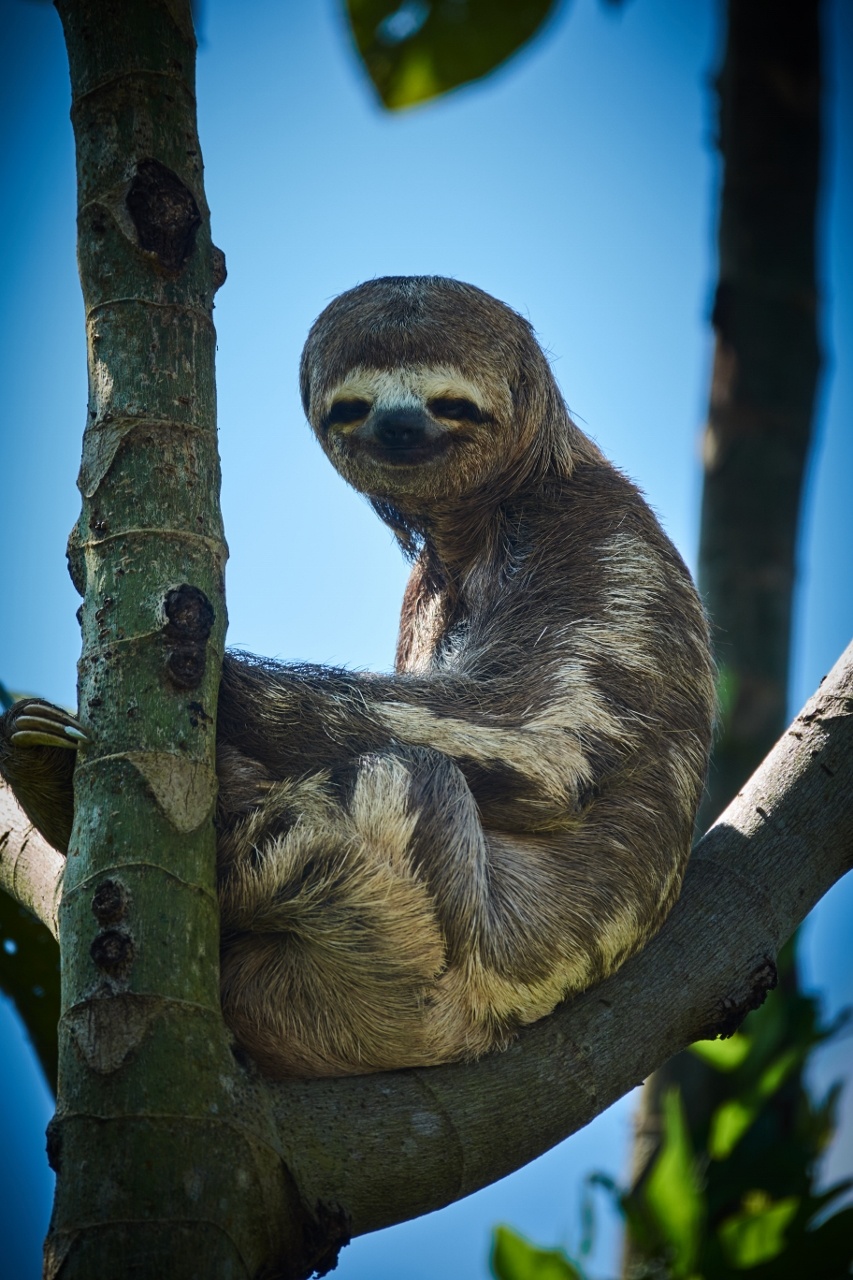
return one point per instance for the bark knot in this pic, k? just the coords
(109, 902)
(165, 214)
(734, 1008)
(189, 622)
(326, 1231)
(113, 952)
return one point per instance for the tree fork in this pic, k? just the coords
(166, 1155)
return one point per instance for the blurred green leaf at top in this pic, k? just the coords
(421, 49)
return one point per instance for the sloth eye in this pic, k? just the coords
(343, 411)
(456, 409)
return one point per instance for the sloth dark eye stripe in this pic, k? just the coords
(456, 408)
(346, 411)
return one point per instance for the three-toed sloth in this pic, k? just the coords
(413, 866)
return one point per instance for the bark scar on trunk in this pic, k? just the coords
(164, 213)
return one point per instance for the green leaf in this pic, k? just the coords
(757, 1233)
(514, 1258)
(420, 49)
(723, 1055)
(731, 1120)
(728, 1125)
(672, 1192)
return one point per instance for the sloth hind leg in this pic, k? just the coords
(330, 936)
(379, 931)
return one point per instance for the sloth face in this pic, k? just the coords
(413, 432)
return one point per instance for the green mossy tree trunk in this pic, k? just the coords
(166, 1158)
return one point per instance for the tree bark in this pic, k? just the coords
(31, 884)
(30, 870)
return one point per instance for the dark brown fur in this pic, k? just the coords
(412, 866)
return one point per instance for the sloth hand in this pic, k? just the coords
(38, 747)
(35, 723)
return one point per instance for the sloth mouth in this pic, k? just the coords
(409, 454)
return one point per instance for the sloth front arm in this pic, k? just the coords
(530, 774)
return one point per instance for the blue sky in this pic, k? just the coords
(578, 185)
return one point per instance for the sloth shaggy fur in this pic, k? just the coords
(413, 866)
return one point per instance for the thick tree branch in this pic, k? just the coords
(30, 870)
(389, 1147)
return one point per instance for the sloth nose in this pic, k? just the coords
(401, 428)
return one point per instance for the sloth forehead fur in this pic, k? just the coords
(398, 321)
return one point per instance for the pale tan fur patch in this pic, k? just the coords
(379, 811)
(617, 934)
(547, 755)
(409, 387)
(427, 631)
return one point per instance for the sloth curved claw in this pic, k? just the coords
(40, 724)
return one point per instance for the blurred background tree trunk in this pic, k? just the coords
(764, 384)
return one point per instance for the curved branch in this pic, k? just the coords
(383, 1148)
(30, 869)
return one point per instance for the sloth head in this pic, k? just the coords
(424, 390)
